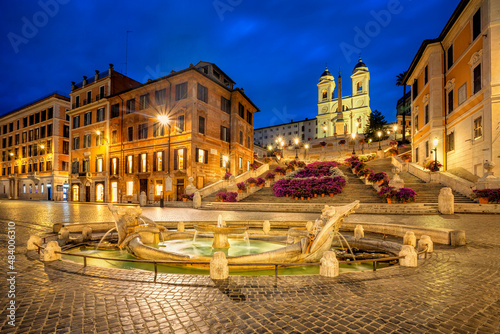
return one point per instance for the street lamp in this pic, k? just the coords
(306, 147)
(435, 142)
(296, 140)
(163, 119)
(325, 128)
(270, 149)
(395, 129)
(353, 142)
(379, 134)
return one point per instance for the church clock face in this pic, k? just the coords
(360, 103)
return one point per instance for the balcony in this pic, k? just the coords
(35, 176)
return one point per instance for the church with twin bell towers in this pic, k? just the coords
(343, 115)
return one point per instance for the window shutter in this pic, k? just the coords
(117, 166)
(165, 161)
(111, 166)
(155, 161)
(139, 163)
(184, 162)
(221, 132)
(175, 159)
(196, 157)
(206, 156)
(221, 160)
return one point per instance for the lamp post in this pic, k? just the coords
(435, 142)
(270, 149)
(379, 134)
(353, 142)
(325, 128)
(395, 129)
(163, 119)
(306, 147)
(296, 140)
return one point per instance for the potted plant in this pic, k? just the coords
(231, 197)
(251, 181)
(260, 182)
(377, 177)
(268, 160)
(387, 193)
(406, 157)
(227, 176)
(393, 143)
(253, 166)
(269, 177)
(433, 166)
(220, 196)
(241, 187)
(393, 151)
(405, 195)
(486, 196)
(342, 142)
(185, 197)
(322, 143)
(280, 171)
(364, 172)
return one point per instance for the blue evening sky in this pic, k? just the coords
(275, 50)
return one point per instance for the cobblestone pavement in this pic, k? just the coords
(453, 291)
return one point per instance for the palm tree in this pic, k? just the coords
(399, 82)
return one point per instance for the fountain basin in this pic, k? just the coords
(220, 234)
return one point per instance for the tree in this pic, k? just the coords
(399, 82)
(376, 123)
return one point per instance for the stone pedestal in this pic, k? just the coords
(329, 265)
(49, 253)
(143, 199)
(33, 241)
(266, 227)
(425, 242)
(446, 201)
(190, 188)
(457, 238)
(63, 235)
(87, 233)
(380, 154)
(358, 232)
(180, 227)
(197, 200)
(410, 256)
(488, 180)
(397, 182)
(218, 266)
(410, 239)
(220, 241)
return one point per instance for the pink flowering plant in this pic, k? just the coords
(376, 177)
(260, 181)
(364, 172)
(227, 176)
(251, 180)
(404, 195)
(279, 170)
(493, 195)
(269, 176)
(433, 166)
(241, 186)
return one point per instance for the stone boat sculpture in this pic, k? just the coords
(135, 236)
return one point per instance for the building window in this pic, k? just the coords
(25, 122)
(477, 78)
(450, 56)
(462, 93)
(130, 164)
(160, 96)
(180, 123)
(65, 147)
(89, 97)
(49, 165)
(158, 130)
(99, 138)
(130, 106)
(76, 143)
(450, 141)
(130, 133)
(101, 92)
(476, 24)
(37, 136)
(76, 122)
(426, 75)
(158, 187)
(426, 114)
(241, 138)
(450, 101)
(74, 167)
(86, 141)
(415, 89)
(115, 110)
(98, 164)
(158, 158)
(87, 118)
(249, 117)
(225, 105)
(42, 134)
(143, 131)
(224, 134)
(325, 94)
(240, 162)
(241, 110)
(130, 188)
(65, 131)
(43, 117)
(114, 137)
(179, 158)
(249, 141)
(114, 166)
(416, 122)
(201, 124)
(144, 101)
(100, 115)
(224, 161)
(201, 156)
(50, 113)
(202, 93)
(427, 149)
(32, 121)
(144, 163)
(478, 127)
(86, 166)
(181, 91)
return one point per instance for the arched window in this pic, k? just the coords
(360, 87)
(325, 94)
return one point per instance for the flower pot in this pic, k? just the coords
(315, 195)
(389, 200)
(261, 185)
(322, 195)
(309, 198)
(483, 200)
(302, 197)
(252, 184)
(184, 199)
(240, 190)
(331, 194)
(296, 198)
(287, 196)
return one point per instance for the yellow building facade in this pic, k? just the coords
(455, 90)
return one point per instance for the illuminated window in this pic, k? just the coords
(98, 167)
(158, 187)
(114, 192)
(201, 156)
(42, 188)
(159, 161)
(130, 188)
(179, 159)
(240, 163)
(99, 192)
(144, 162)
(478, 127)
(114, 166)
(130, 164)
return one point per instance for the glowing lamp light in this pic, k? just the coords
(379, 134)
(435, 141)
(163, 119)
(306, 146)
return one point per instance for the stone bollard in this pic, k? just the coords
(425, 242)
(410, 256)
(197, 200)
(410, 239)
(359, 232)
(446, 201)
(87, 233)
(329, 265)
(266, 227)
(180, 227)
(33, 241)
(218, 266)
(143, 198)
(457, 238)
(49, 253)
(56, 227)
(63, 235)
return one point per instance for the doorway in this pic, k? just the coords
(143, 186)
(76, 193)
(114, 192)
(99, 192)
(87, 193)
(180, 189)
(49, 192)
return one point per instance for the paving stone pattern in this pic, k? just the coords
(454, 291)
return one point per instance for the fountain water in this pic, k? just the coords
(104, 236)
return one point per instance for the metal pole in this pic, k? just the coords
(296, 155)
(156, 272)
(435, 157)
(379, 143)
(276, 271)
(353, 146)
(168, 155)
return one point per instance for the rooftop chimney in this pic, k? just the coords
(84, 82)
(73, 85)
(110, 69)
(96, 76)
